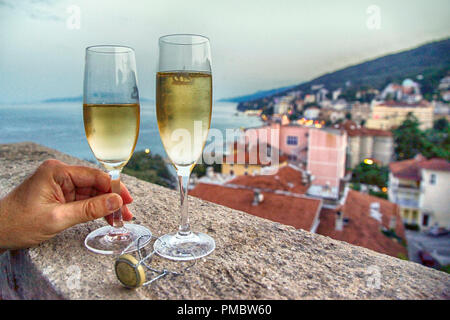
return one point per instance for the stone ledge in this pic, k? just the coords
(254, 258)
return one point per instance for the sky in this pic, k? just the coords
(256, 45)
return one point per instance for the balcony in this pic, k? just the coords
(254, 258)
(408, 203)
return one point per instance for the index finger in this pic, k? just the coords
(83, 177)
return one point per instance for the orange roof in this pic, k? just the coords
(361, 229)
(410, 169)
(399, 104)
(298, 212)
(435, 164)
(353, 130)
(286, 179)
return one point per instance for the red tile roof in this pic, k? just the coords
(361, 229)
(436, 164)
(353, 130)
(410, 169)
(399, 104)
(298, 212)
(287, 179)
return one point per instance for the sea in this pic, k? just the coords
(59, 125)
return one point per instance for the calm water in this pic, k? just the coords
(60, 126)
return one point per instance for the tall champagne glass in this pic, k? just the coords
(111, 114)
(183, 109)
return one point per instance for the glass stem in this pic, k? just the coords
(118, 231)
(183, 181)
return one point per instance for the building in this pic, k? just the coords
(312, 113)
(331, 115)
(279, 197)
(364, 143)
(391, 114)
(309, 98)
(441, 110)
(250, 159)
(321, 150)
(444, 84)
(326, 156)
(365, 221)
(420, 188)
(283, 105)
(340, 105)
(408, 91)
(360, 112)
(282, 197)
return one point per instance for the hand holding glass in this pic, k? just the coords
(111, 114)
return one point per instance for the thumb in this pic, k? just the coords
(75, 212)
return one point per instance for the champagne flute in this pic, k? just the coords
(183, 110)
(111, 114)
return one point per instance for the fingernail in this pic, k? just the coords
(113, 203)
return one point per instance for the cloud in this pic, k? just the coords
(35, 9)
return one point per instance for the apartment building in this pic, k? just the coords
(420, 188)
(387, 115)
(364, 143)
(321, 151)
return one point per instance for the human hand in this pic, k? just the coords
(55, 197)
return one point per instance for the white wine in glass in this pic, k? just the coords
(184, 101)
(112, 145)
(183, 110)
(111, 115)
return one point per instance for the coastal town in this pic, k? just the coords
(341, 170)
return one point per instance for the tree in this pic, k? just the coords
(408, 138)
(371, 174)
(151, 168)
(441, 124)
(200, 169)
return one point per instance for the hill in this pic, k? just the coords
(431, 60)
(257, 95)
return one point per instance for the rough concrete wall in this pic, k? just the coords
(254, 258)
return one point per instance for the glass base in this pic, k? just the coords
(175, 246)
(100, 241)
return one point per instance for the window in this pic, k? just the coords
(432, 178)
(425, 220)
(292, 140)
(415, 215)
(405, 213)
(292, 157)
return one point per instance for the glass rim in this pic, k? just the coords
(103, 48)
(200, 39)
